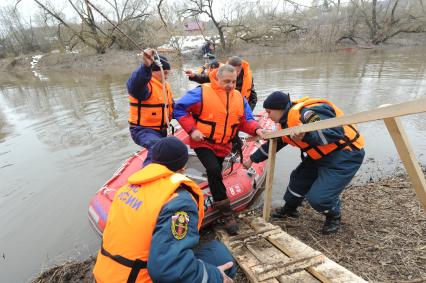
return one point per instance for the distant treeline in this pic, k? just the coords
(319, 26)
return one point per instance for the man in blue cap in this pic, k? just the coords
(153, 226)
(330, 157)
(151, 105)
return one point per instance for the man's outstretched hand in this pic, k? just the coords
(222, 269)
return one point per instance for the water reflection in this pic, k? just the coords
(61, 139)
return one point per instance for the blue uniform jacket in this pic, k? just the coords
(315, 138)
(137, 84)
(172, 260)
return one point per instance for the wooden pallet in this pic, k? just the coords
(268, 254)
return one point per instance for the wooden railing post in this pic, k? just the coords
(269, 179)
(408, 157)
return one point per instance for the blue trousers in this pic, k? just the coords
(216, 253)
(322, 181)
(146, 137)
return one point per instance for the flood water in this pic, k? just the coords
(62, 136)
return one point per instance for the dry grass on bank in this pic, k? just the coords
(68, 272)
(383, 236)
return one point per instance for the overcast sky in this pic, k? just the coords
(28, 7)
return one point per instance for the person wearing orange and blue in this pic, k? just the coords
(202, 76)
(245, 83)
(150, 106)
(212, 114)
(330, 157)
(153, 226)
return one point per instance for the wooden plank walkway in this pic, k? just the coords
(268, 254)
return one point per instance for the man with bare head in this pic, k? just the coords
(212, 115)
(245, 83)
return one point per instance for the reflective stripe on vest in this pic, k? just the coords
(220, 115)
(150, 112)
(352, 140)
(132, 219)
(247, 80)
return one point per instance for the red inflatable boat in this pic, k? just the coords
(242, 185)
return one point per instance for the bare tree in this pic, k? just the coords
(200, 7)
(252, 22)
(17, 35)
(387, 19)
(92, 32)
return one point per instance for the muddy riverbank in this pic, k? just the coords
(382, 237)
(120, 61)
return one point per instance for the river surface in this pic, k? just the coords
(63, 135)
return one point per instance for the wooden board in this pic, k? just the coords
(269, 179)
(408, 157)
(268, 254)
(328, 271)
(253, 253)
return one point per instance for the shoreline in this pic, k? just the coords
(381, 239)
(119, 61)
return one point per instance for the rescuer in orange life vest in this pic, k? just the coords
(244, 82)
(153, 225)
(150, 107)
(212, 114)
(202, 75)
(244, 85)
(330, 157)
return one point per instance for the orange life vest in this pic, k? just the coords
(353, 139)
(132, 219)
(247, 80)
(206, 70)
(202, 70)
(221, 113)
(150, 113)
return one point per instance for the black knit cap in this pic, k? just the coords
(164, 61)
(214, 64)
(277, 100)
(170, 152)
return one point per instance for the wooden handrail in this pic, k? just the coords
(394, 110)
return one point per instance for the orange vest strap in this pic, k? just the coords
(219, 120)
(350, 140)
(135, 265)
(152, 112)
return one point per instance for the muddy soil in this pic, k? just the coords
(382, 239)
(120, 61)
(383, 234)
(115, 61)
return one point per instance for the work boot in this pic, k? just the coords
(331, 224)
(286, 211)
(224, 206)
